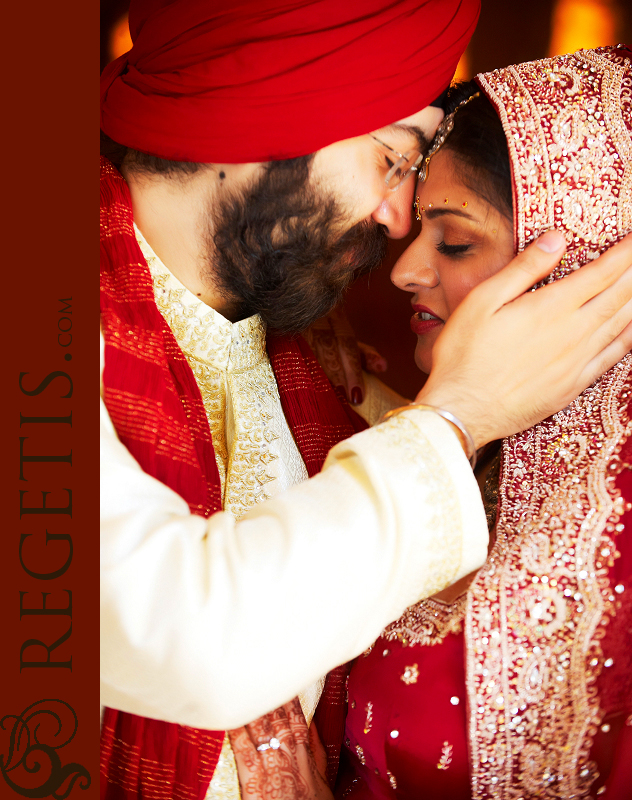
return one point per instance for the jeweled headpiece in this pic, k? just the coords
(443, 131)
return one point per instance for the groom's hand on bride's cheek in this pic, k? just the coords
(509, 358)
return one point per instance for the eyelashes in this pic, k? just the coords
(452, 249)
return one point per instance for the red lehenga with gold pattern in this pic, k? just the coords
(521, 688)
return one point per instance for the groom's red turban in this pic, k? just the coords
(261, 80)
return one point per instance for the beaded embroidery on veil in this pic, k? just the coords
(538, 611)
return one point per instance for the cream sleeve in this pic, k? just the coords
(212, 622)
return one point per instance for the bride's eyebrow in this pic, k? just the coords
(434, 213)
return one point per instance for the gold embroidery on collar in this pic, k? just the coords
(242, 404)
(238, 388)
(225, 781)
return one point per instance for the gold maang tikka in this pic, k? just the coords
(443, 131)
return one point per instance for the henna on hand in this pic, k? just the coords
(372, 360)
(288, 772)
(335, 346)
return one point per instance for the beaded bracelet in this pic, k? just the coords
(464, 436)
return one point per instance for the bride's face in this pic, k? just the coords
(463, 240)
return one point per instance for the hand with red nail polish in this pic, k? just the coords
(335, 346)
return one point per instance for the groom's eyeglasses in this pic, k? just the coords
(406, 164)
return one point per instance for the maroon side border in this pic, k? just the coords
(49, 71)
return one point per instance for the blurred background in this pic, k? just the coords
(507, 33)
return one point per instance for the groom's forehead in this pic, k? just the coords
(414, 131)
(404, 132)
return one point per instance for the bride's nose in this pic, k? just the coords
(412, 271)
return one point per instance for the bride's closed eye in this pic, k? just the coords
(452, 249)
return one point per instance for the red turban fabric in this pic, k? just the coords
(263, 80)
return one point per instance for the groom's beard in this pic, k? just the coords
(273, 252)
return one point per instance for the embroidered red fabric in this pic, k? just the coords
(157, 411)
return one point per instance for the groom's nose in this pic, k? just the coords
(395, 210)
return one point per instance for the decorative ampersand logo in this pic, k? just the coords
(34, 738)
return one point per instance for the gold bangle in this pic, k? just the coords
(464, 436)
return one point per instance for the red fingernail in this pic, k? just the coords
(356, 396)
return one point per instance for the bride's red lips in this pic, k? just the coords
(421, 326)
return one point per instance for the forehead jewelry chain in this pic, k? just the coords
(441, 135)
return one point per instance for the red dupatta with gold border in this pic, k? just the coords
(157, 410)
(549, 617)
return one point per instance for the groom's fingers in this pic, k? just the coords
(534, 263)
(608, 357)
(537, 261)
(596, 277)
(609, 311)
(613, 329)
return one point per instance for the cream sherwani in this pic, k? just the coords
(212, 622)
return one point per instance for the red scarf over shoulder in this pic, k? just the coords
(157, 411)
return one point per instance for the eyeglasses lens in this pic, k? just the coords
(402, 169)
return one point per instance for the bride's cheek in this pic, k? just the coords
(464, 277)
